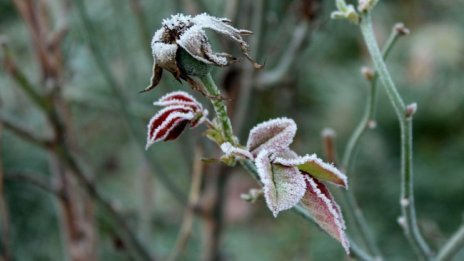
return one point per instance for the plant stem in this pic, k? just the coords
(219, 107)
(353, 209)
(411, 228)
(452, 247)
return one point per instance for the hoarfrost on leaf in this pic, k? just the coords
(276, 134)
(315, 167)
(283, 186)
(325, 211)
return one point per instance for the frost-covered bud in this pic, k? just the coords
(180, 109)
(367, 73)
(411, 110)
(401, 29)
(366, 5)
(181, 47)
(345, 11)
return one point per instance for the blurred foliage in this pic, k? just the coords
(324, 88)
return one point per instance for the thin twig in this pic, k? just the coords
(21, 131)
(271, 78)
(4, 213)
(410, 227)
(189, 215)
(452, 247)
(34, 179)
(124, 106)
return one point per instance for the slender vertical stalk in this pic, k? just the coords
(353, 209)
(219, 107)
(4, 214)
(411, 228)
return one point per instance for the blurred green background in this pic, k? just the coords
(322, 88)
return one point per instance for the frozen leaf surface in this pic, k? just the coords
(325, 211)
(315, 167)
(273, 135)
(283, 186)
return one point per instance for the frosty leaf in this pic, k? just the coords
(168, 124)
(276, 134)
(283, 186)
(325, 211)
(315, 167)
(179, 98)
(230, 150)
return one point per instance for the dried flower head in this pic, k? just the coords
(180, 109)
(183, 34)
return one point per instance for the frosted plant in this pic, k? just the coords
(179, 110)
(182, 48)
(289, 179)
(184, 34)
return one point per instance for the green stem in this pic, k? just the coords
(452, 247)
(219, 107)
(411, 228)
(353, 209)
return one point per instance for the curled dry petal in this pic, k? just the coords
(283, 186)
(275, 135)
(231, 150)
(325, 211)
(315, 167)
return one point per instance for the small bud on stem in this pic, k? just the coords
(411, 110)
(367, 73)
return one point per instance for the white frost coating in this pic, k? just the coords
(325, 212)
(165, 55)
(173, 117)
(229, 150)
(172, 99)
(283, 187)
(176, 21)
(308, 159)
(219, 25)
(276, 134)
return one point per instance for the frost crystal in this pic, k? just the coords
(325, 211)
(283, 186)
(276, 134)
(317, 168)
(180, 110)
(188, 33)
(231, 150)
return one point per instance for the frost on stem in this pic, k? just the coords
(186, 34)
(180, 109)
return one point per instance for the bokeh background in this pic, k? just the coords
(93, 57)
